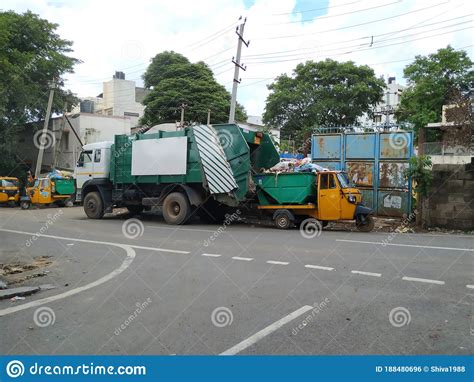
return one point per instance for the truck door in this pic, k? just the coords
(85, 168)
(329, 197)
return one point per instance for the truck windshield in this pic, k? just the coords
(85, 157)
(343, 180)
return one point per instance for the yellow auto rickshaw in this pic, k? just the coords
(9, 190)
(48, 191)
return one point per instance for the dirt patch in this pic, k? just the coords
(17, 272)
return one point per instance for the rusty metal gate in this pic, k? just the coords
(375, 163)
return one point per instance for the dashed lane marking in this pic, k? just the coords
(318, 267)
(277, 262)
(210, 255)
(242, 258)
(367, 273)
(428, 281)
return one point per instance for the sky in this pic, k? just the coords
(385, 34)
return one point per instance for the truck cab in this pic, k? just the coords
(93, 163)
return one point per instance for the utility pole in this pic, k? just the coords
(183, 105)
(208, 117)
(42, 140)
(240, 33)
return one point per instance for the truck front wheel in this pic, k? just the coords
(176, 208)
(93, 205)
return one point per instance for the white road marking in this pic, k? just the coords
(318, 267)
(182, 229)
(155, 249)
(125, 264)
(367, 273)
(278, 262)
(407, 245)
(265, 332)
(99, 242)
(243, 258)
(470, 286)
(423, 280)
(210, 255)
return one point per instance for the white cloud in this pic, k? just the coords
(111, 36)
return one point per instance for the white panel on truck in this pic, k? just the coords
(164, 156)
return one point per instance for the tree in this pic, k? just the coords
(31, 56)
(174, 80)
(433, 81)
(321, 94)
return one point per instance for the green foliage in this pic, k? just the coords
(420, 172)
(31, 56)
(175, 80)
(433, 81)
(325, 93)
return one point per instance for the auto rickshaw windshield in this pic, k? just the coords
(8, 183)
(344, 180)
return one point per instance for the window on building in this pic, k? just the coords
(377, 118)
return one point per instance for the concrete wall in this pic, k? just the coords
(451, 203)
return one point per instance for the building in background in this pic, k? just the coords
(384, 112)
(62, 147)
(119, 98)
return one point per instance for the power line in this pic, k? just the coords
(302, 54)
(361, 50)
(353, 25)
(339, 14)
(316, 9)
(357, 39)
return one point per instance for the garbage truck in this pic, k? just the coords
(208, 171)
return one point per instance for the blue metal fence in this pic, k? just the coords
(375, 162)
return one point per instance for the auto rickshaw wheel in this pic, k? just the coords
(25, 205)
(282, 221)
(366, 225)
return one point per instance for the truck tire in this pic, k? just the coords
(135, 209)
(93, 205)
(366, 226)
(176, 208)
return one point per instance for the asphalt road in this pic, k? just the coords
(143, 287)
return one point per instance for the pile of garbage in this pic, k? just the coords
(59, 174)
(303, 165)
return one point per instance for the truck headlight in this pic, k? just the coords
(351, 199)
